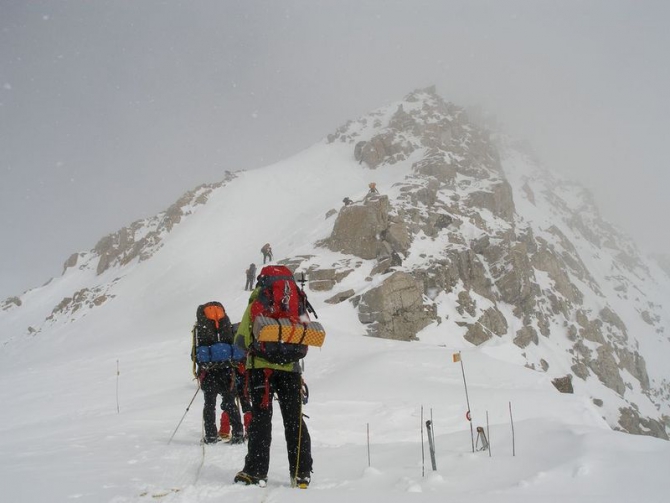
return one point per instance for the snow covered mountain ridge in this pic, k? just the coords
(469, 243)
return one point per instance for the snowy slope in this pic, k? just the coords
(62, 437)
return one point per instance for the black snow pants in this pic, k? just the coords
(220, 381)
(263, 384)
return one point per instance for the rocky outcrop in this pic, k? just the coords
(458, 195)
(81, 301)
(325, 279)
(498, 200)
(477, 334)
(545, 260)
(386, 147)
(358, 228)
(465, 265)
(340, 297)
(398, 236)
(11, 302)
(631, 422)
(142, 238)
(525, 336)
(322, 279)
(634, 363)
(515, 278)
(606, 369)
(394, 309)
(436, 164)
(563, 384)
(71, 261)
(491, 322)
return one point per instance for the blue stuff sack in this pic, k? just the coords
(202, 354)
(220, 352)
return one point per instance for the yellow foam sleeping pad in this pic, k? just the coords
(282, 330)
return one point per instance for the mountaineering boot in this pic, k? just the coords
(237, 439)
(301, 482)
(210, 440)
(250, 480)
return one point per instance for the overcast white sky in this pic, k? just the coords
(110, 110)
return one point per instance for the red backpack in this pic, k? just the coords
(279, 298)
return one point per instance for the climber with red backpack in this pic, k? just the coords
(214, 357)
(275, 331)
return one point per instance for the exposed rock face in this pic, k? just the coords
(491, 322)
(359, 227)
(458, 194)
(10, 302)
(632, 422)
(563, 384)
(494, 321)
(340, 297)
(635, 364)
(294, 263)
(580, 370)
(322, 279)
(385, 147)
(436, 164)
(398, 236)
(525, 336)
(71, 261)
(515, 278)
(394, 310)
(605, 367)
(546, 260)
(68, 307)
(326, 279)
(498, 201)
(142, 238)
(477, 334)
(466, 266)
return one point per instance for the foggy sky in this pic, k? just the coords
(110, 110)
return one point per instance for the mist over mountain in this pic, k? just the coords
(468, 244)
(469, 236)
(104, 102)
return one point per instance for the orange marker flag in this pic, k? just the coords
(457, 357)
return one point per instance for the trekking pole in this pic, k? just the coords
(488, 435)
(118, 409)
(431, 443)
(187, 409)
(423, 454)
(512, 423)
(297, 454)
(368, 427)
